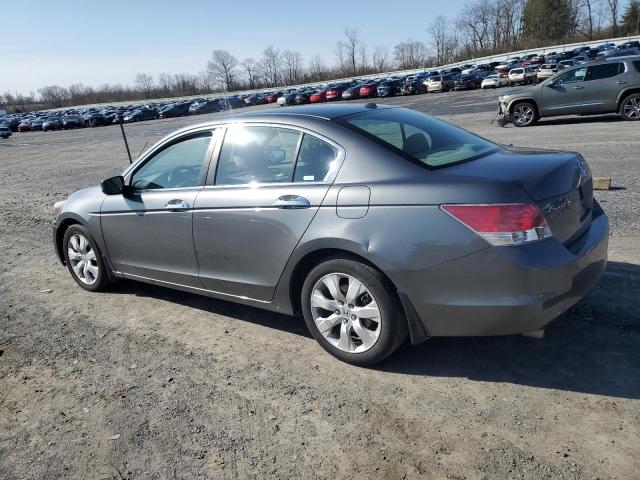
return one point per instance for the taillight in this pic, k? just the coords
(503, 224)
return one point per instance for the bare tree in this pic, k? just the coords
(293, 67)
(222, 68)
(270, 65)
(350, 50)
(203, 82)
(438, 29)
(250, 67)
(54, 95)
(317, 70)
(475, 22)
(410, 54)
(380, 59)
(144, 83)
(615, 13)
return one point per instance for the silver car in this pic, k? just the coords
(375, 223)
(611, 86)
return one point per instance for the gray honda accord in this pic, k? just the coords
(375, 223)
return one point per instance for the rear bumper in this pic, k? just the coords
(507, 290)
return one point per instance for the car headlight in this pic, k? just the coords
(56, 208)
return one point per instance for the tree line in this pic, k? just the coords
(481, 28)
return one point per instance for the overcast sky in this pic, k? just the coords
(61, 42)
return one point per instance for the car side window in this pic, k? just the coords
(253, 154)
(317, 160)
(599, 72)
(177, 166)
(572, 76)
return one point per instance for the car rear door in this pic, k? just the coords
(565, 95)
(267, 187)
(148, 228)
(602, 84)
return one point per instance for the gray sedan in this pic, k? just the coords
(375, 223)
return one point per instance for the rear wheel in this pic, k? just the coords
(524, 114)
(352, 311)
(630, 107)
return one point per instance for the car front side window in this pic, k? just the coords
(177, 166)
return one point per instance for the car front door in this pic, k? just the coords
(268, 186)
(565, 94)
(602, 84)
(148, 228)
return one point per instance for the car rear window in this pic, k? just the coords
(418, 137)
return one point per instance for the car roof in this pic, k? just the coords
(325, 112)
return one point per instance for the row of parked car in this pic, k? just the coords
(94, 117)
(528, 69)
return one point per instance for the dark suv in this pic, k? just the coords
(611, 86)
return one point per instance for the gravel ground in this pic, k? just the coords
(145, 382)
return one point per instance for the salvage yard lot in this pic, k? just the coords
(145, 382)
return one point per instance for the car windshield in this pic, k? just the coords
(418, 137)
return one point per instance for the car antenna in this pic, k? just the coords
(126, 144)
(142, 149)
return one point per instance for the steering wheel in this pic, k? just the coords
(180, 176)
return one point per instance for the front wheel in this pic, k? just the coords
(524, 114)
(352, 311)
(83, 259)
(630, 107)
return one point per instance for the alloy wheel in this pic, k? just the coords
(345, 312)
(82, 259)
(632, 108)
(523, 114)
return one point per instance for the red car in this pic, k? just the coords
(319, 96)
(24, 126)
(503, 73)
(334, 93)
(533, 61)
(273, 97)
(369, 90)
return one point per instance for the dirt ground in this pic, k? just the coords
(147, 383)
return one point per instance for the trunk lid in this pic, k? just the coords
(559, 183)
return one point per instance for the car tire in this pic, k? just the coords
(385, 332)
(524, 114)
(630, 107)
(78, 242)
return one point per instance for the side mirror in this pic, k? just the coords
(113, 185)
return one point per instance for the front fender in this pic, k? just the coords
(81, 207)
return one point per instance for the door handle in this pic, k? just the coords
(578, 87)
(621, 82)
(177, 205)
(291, 201)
